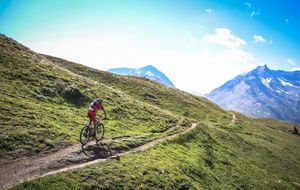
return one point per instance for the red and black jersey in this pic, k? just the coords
(95, 106)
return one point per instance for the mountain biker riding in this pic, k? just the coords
(94, 107)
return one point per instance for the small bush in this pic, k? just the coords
(73, 95)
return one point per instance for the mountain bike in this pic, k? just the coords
(86, 132)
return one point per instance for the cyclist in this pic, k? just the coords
(94, 107)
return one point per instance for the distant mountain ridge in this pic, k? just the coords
(262, 93)
(148, 71)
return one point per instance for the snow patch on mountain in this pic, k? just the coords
(284, 83)
(149, 73)
(266, 81)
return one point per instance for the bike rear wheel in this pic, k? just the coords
(85, 135)
(100, 132)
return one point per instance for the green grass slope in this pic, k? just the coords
(174, 100)
(247, 156)
(43, 104)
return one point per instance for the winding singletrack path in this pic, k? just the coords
(233, 118)
(69, 158)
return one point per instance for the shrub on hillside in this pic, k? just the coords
(294, 131)
(74, 95)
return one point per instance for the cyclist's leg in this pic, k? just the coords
(92, 116)
(94, 130)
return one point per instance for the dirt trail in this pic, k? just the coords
(68, 158)
(233, 118)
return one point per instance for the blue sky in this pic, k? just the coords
(198, 44)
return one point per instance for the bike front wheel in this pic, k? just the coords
(85, 135)
(100, 132)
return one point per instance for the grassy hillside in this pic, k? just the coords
(43, 106)
(210, 157)
(174, 100)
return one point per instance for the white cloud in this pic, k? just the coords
(254, 13)
(248, 4)
(225, 38)
(291, 61)
(223, 64)
(296, 69)
(286, 21)
(208, 10)
(259, 39)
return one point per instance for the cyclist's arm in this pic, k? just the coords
(105, 115)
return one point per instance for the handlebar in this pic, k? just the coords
(105, 118)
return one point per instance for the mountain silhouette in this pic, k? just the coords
(262, 92)
(148, 71)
